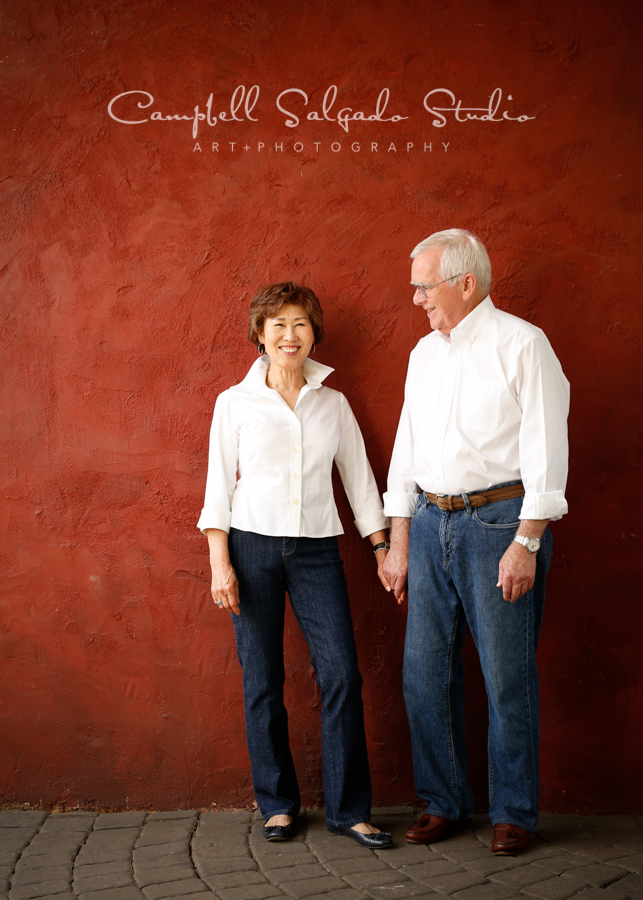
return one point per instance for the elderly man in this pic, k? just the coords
(478, 470)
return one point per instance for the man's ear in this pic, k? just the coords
(469, 285)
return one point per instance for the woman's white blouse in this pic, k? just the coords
(269, 468)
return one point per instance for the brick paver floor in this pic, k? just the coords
(187, 855)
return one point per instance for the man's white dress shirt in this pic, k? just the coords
(270, 467)
(487, 406)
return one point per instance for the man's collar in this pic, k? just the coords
(469, 327)
(255, 381)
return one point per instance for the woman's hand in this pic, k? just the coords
(380, 558)
(225, 587)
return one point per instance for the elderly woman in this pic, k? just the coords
(271, 523)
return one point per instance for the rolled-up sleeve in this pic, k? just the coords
(357, 475)
(223, 461)
(543, 443)
(402, 493)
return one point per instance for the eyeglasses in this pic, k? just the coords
(424, 288)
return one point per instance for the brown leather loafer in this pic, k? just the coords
(509, 840)
(429, 829)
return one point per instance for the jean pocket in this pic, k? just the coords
(504, 514)
(418, 506)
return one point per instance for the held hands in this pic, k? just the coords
(391, 569)
(225, 587)
(516, 572)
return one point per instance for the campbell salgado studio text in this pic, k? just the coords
(292, 104)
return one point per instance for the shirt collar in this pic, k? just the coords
(472, 323)
(255, 381)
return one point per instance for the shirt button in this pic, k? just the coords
(295, 502)
(296, 475)
(295, 450)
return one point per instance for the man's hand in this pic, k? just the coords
(517, 569)
(516, 572)
(396, 565)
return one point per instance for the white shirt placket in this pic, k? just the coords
(295, 475)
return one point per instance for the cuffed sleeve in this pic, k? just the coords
(222, 468)
(543, 445)
(401, 497)
(357, 475)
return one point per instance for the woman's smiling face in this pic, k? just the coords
(288, 337)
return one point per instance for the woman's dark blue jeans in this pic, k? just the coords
(311, 571)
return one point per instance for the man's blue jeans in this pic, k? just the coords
(453, 571)
(311, 571)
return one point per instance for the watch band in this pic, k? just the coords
(383, 545)
(531, 544)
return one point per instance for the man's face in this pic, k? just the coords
(444, 304)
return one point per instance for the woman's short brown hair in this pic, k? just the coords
(271, 297)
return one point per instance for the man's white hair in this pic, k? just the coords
(462, 253)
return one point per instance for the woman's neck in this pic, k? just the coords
(287, 382)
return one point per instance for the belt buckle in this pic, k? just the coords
(448, 502)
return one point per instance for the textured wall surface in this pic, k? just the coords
(128, 257)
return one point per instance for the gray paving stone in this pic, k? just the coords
(598, 851)
(55, 842)
(327, 852)
(224, 818)
(251, 892)
(232, 879)
(163, 862)
(17, 838)
(200, 895)
(632, 885)
(519, 877)
(356, 864)
(343, 894)
(407, 855)
(172, 814)
(295, 873)
(277, 848)
(57, 822)
(363, 881)
(600, 894)
(632, 863)
(308, 887)
(101, 882)
(489, 864)
(164, 875)
(597, 875)
(551, 826)
(109, 868)
(464, 854)
(21, 818)
(67, 896)
(559, 864)
(218, 851)
(165, 832)
(538, 850)
(46, 861)
(486, 892)
(8, 857)
(225, 866)
(422, 871)
(29, 891)
(282, 860)
(401, 889)
(123, 893)
(38, 876)
(119, 820)
(91, 855)
(459, 881)
(158, 851)
(175, 889)
(109, 837)
(555, 888)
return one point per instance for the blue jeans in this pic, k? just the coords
(453, 571)
(311, 571)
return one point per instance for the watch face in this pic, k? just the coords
(533, 544)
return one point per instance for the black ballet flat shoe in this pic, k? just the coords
(278, 832)
(376, 841)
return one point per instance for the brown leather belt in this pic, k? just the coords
(445, 502)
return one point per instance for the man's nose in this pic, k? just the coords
(418, 297)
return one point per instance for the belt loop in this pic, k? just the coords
(467, 503)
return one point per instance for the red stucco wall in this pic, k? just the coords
(127, 261)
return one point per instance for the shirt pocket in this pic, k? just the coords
(480, 405)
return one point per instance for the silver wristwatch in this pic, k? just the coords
(531, 545)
